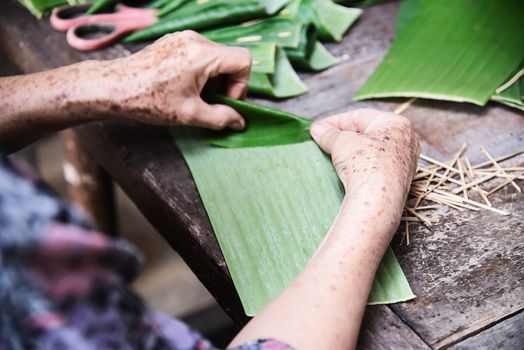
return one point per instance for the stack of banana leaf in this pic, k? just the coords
(280, 34)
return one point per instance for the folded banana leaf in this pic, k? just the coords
(263, 58)
(264, 126)
(319, 59)
(299, 40)
(270, 208)
(330, 19)
(198, 15)
(281, 32)
(450, 50)
(310, 54)
(283, 83)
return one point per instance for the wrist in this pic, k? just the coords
(365, 224)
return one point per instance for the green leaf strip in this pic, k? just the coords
(264, 126)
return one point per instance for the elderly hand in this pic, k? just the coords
(162, 83)
(375, 154)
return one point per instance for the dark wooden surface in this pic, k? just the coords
(467, 271)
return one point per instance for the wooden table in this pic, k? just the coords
(467, 271)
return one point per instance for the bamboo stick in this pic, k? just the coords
(499, 159)
(508, 181)
(498, 166)
(471, 176)
(462, 179)
(404, 106)
(436, 162)
(469, 201)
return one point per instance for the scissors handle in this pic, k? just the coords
(87, 33)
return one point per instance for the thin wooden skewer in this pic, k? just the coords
(404, 106)
(510, 82)
(471, 177)
(515, 168)
(434, 161)
(499, 167)
(473, 183)
(508, 181)
(505, 176)
(434, 173)
(469, 201)
(499, 159)
(462, 179)
(421, 217)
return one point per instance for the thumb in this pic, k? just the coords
(217, 116)
(325, 135)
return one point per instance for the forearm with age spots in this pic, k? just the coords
(323, 307)
(36, 104)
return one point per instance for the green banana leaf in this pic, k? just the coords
(330, 19)
(190, 7)
(270, 208)
(319, 59)
(281, 32)
(212, 14)
(158, 4)
(333, 20)
(167, 6)
(283, 83)
(263, 58)
(264, 126)
(306, 44)
(40, 7)
(299, 40)
(99, 5)
(450, 50)
(310, 54)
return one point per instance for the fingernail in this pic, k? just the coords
(237, 125)
(317, 129)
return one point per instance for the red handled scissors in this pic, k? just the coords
(91, 32)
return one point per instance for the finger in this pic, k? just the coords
(217, 116)
(360, 120)
(235, 65)
(325, 135)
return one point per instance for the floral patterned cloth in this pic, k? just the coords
(65, 286)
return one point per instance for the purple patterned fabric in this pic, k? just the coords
(65, 286)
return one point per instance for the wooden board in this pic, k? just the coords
(504, 335)
(389, 333)
(466, 271)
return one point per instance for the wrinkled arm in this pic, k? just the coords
(160, 85)
(375, 155)
(36, 104)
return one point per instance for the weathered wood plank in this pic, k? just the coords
(381, 329)
(466, 271)
(508, 335)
